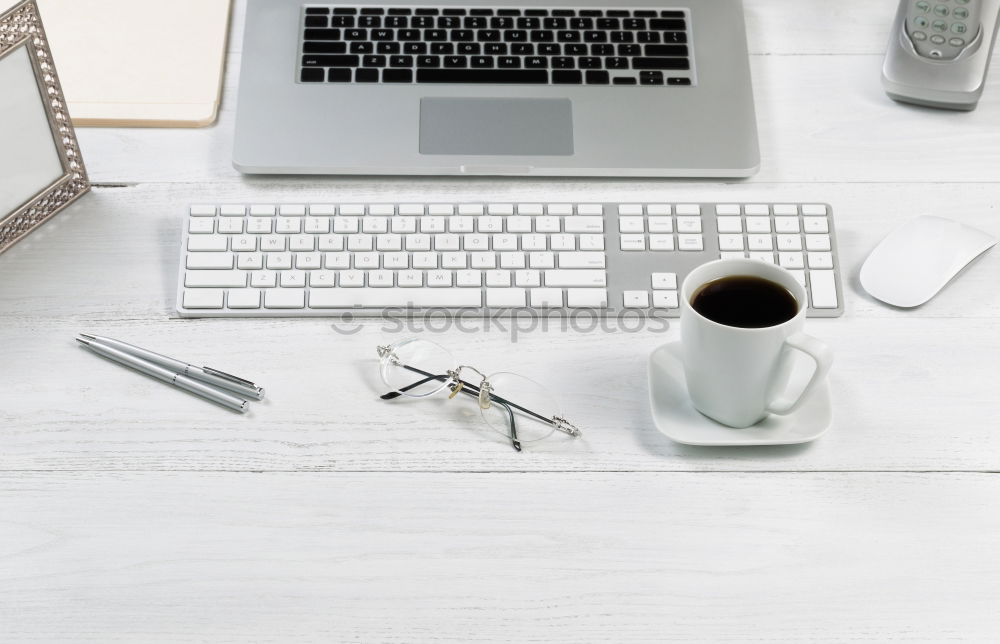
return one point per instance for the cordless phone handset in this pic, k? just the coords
(939, 52)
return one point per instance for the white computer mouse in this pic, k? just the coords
(916, 260)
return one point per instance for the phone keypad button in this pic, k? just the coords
(921, 22)
(937, 40)
(959, 28)
(939, 25)
(919, 35)
(923, 5)
(961, 13)
(941, 10)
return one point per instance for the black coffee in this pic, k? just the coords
(745, 301)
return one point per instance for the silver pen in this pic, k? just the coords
(161, 373)
(204, 374)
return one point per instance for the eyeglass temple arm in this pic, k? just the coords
(469, 390)
(473, 390)
(513, 426)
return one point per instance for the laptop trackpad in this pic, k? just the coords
(516, 126)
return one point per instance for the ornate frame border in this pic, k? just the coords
(22, 26)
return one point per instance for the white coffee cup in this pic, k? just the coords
(735, 375)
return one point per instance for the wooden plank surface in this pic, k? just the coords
(916, 388)
(132, 512)
(498, 558)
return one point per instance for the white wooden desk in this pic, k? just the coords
(133, 512)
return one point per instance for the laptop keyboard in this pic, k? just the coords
(640, 46)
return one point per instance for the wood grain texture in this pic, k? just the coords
(915, 388)
(131, 512)
(498, 558)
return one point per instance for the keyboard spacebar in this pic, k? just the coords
(385, 297)
(482, 76)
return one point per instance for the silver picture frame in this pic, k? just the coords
(22, 37)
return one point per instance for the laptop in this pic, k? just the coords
(468, 88)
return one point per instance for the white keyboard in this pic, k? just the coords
(313, 260)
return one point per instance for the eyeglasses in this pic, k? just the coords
(420, 368)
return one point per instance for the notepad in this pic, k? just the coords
(138, 63)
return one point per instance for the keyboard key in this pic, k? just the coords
(567, 77)
(527, 277)
(789, 242)
(662, 225)
(823, 289)
(786, 224)
(815, 225)
(690, 242)
(664, 280)
(261, 210)
(631, 224)
(587, 297)
(397, 76)
(584, 224)
(758, 224)
(506, 297)
(581, 260)
(202, 298)
(384, 297)
(572, 278)
(759, 242)
(661, 242)
(730, 242)
(688, 224)
(632, 242)
(206, 243)
(546, 297)
(665, 300)
(250, 261)
(322, 279)
(790, 260)
(818, 242)
(820, 260)
(217, 261)
(729, 224)
(293, 298)
(279, 261)
(660, 63)
(263, 279)
(635, 299)
(201, 226)
(292, 279)
(218, 279)
(498, 76)
(243, 299)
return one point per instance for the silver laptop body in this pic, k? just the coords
(693, 122)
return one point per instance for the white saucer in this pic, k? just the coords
(676, 417)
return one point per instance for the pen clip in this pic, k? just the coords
(228, 376)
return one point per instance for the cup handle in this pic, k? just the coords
(821, 355)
